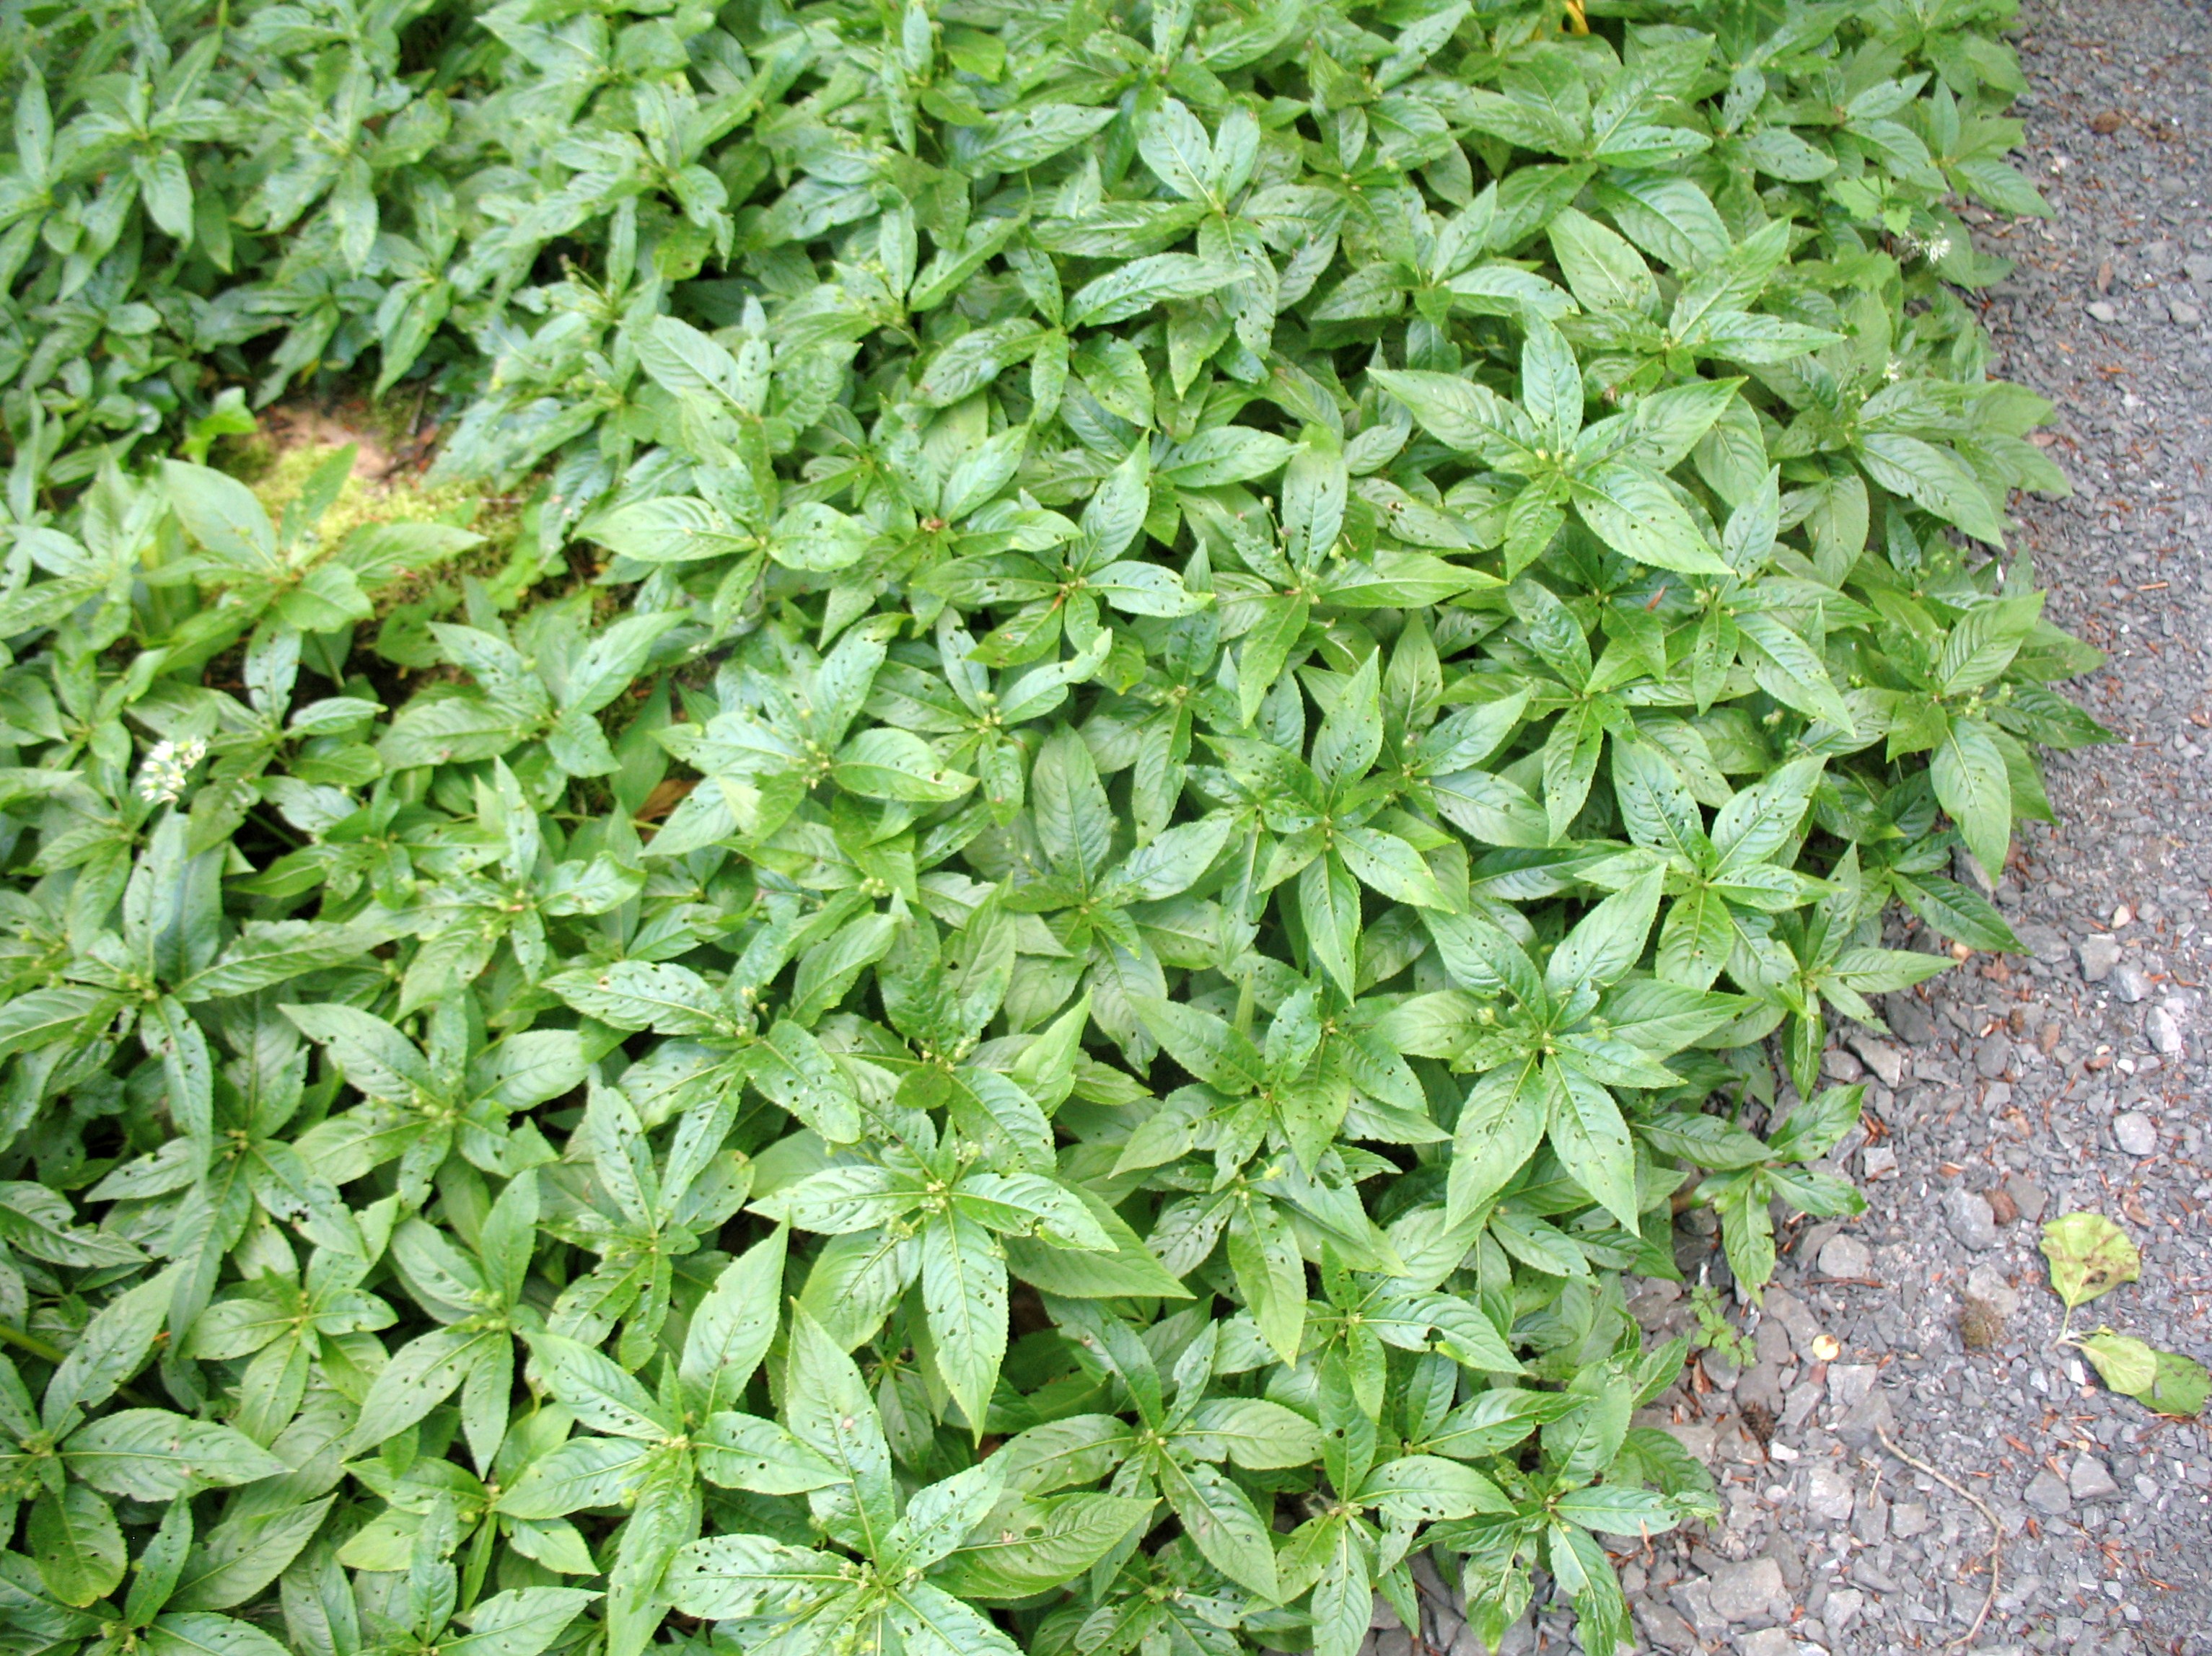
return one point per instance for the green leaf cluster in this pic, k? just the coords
(1211, 694)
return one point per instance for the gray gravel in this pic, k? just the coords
(2018, 1088)
(2015, 1090)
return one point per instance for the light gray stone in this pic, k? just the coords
(2131, 982)
(1846, 1256)
(1768, 1641)
(1849, 1384)
(2099, 952)
(2047, 1494)
(1739, 1592)
(1828, 1495)
(1986, 1282)
(2163, 1032)
(1991, 1054)
(1663, 1626)
(1885, 1060)
(1908, 1519)
(1970, 1219)
(1844, 1606)
(2089, 1480)
(2134, 1132)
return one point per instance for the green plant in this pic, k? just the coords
(1714, 1331)
(1204, 681)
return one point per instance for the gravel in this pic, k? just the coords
(2015, 1089)
(2134, 1132)
(2073, 1075)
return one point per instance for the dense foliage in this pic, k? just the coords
(1212, 695)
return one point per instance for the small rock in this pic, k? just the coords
(2197, 267)
(1861, 1427)
(1794, 1316)
(1696, 1437)
(1879, 1056)
(1971, 1220)
(1984, 1281)
(2100, 312)
(1843, 1608)
(2164, 1033)
(2131, 982)
(1908, 1519)
(1396, 1642)
(2133, 1132)
(1992, 1055)
(1878, 1162)
(1663, 1626)
(1846, 1256)
(2002, 1206)
(1849, 1384)
(2089, 1480)
(1384, 1618)
(2027, 1196)
(2046, 1493)
(1694, 1599)
(1828, 1495)
(1768, 1641)
(1739, 1592)
(2045, 943)
(2098, 953)
(1840, 1066)
(1911, 1021)
(2183, 313)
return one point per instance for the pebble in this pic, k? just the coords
(1987, 1283)
(2164, 1034)
(2098, 953)
(1769, 1642)
(1851, 1383)
(1878, 1162)
(1828, 1495)
(2131, 982)
(1739, 1592)
(2102, 312)
(1843, 1609)
(1911, 1021)
(2047, 1494)
(1971, 1220)
(1885, 1060)
(1846, 1256)
(2133, 1132)
(1908, 1519)
(2089, 1480)
(2184, 315)
(1992, 1055)
(2028, 1196)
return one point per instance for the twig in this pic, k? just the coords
(1997, 1531)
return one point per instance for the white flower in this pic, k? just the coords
(1938, 249)
(167, 768)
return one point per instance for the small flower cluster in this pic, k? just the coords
(168, 769)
